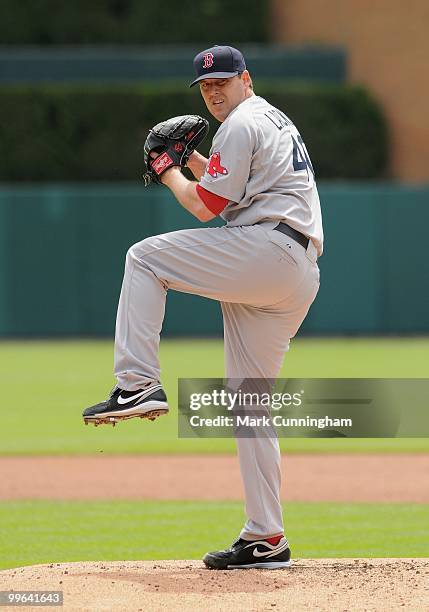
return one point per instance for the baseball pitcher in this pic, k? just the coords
(261, 266)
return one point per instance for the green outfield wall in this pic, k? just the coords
(62, 250)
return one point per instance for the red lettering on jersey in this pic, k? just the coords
(214, 167)
(208, 60)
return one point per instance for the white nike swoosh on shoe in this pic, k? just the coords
(126, 400)
(274, 550)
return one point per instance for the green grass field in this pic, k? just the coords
(52, 532)
(49, 383)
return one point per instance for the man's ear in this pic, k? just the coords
(247, 79)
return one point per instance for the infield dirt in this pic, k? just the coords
(322, 584)
(316, 477)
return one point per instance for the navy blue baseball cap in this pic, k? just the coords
(218, 62)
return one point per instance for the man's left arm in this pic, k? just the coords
(197, 164)
(186, 193)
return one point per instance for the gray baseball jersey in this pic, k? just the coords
(259, 162)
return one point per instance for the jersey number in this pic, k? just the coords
(301, 161)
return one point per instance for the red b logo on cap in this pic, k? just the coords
(208, 60)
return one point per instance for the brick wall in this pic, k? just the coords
(388, 46)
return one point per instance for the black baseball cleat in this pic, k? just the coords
(149, 402)
(273, 553)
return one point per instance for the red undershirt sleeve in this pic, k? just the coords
(213, 202)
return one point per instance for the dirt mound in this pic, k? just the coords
(315, 584)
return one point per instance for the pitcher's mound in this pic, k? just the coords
(310, 584)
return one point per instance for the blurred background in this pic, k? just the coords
(80, 85)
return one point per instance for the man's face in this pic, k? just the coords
(223, 95)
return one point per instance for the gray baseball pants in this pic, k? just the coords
(265, 282)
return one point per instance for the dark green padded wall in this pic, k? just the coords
(62, 251)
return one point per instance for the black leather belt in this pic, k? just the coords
(284, 228)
